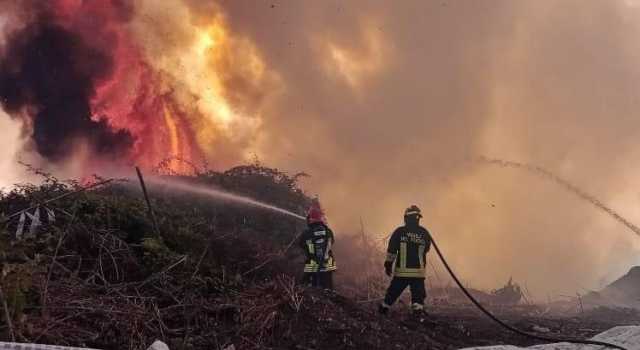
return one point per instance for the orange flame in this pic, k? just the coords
(185, 89)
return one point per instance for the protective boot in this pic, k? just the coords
(383, 309)
(418, 313)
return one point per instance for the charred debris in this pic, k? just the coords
(91, 270)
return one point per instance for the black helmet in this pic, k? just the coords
(413, 211)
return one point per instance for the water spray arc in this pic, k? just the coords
(544, 173)
(221, 195)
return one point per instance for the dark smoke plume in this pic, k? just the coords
(48, 75)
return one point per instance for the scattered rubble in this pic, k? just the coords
(510, 294)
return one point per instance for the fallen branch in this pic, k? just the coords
(167, 269)
(152, 215)
(274, 257)
(7, 315)
(53, 261)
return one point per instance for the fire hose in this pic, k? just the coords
(509, 327)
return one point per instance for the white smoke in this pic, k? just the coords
(386, 126)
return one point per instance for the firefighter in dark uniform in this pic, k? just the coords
(316, 242)
(407, 252)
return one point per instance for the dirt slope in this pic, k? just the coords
(212, 275)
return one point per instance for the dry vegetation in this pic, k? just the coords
(100, 275)
(212, 275)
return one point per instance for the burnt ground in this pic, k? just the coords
(335, 322)
(101, 275)
(476, 329)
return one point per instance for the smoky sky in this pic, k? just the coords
(48, 75)
(385, 103)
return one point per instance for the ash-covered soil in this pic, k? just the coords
(216, 276)
(335, 322)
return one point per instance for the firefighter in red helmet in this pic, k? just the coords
(316, 242)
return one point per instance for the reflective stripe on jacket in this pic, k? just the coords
(312, 266)
(316, 242)
(408, 247)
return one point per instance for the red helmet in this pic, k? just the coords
(315, 215)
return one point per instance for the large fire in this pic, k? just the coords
(180, 84)
(384, 103)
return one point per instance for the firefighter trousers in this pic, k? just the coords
(319, 279)
(398, 285)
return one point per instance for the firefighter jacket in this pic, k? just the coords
(316, 242)
(408, 247)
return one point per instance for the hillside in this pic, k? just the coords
(100, 275)
(623, 292)
(97, 273)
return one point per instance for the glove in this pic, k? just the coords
(388, 268)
